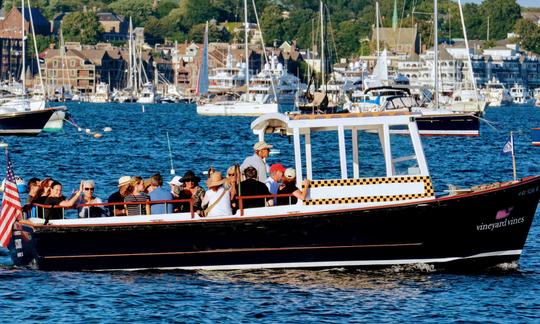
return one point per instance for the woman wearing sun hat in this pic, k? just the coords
(191, 190)
(217, 199)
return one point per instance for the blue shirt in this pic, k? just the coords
(161, 194)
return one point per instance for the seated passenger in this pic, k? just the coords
(289, 187)
(176, 189)
(33, 188)
(43, 193)
(231, 184)
(253, 187)
(136, 193)
(276, 174)
(192, 190)
(156, 192)
(89, 198)
(118, 197)
(57, 199)
(217, 198)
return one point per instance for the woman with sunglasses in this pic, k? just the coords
(88, 197)
(191, 190)
(231, 183)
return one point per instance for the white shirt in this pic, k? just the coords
(258, 163)
(223, 207)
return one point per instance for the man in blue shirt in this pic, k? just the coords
(156, 192)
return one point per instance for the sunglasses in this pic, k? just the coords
(232, 174)
(87, 189)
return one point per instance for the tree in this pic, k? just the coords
(138, 10)
(272, 25)
(215, 33)
(529, 35)
(503, 15)
(348, 36)
(153, 30)
(82, 27)
(165, 7)
(197, 12)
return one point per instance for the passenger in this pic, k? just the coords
(252, 187)
(231, 184)
(57, 199)
(192, 190)
(44, 192)
(211, 170)
(176, 189)
(217, 198)
(135, 193)
(276, 174)
(176, 186)
(258, 160)
(118, 197)
(33, 187)
(289, 187)
(156, 192)
(89, 198)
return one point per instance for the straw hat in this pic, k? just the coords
(124, 180)
(215, 180)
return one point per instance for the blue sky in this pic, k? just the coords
(523, 3)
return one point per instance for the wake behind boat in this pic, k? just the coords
(353, 220)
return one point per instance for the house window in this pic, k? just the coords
(55, 64)
(73, 63)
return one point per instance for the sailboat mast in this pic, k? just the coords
(436, 54)
(377, 26)
(23, 51)
(246, 32)
(323, 59)
(469, 62)
(130, 67)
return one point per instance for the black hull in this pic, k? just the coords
(460, 125)
(24, 123)
(451, 232)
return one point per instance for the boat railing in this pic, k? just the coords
(265, 197)
(38, 210)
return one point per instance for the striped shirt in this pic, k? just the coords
(136, 209)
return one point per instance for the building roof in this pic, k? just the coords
(400, 36)
(109, 16)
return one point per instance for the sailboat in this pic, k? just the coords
(249, 103)
(23, 115)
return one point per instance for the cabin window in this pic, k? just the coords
(404, 161)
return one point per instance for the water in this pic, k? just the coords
(137, 145)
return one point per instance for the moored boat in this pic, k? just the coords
(25, 122)
(536, 136)
(354, 219)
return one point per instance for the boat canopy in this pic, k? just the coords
(298, 125)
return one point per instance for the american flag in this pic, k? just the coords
(11, 205)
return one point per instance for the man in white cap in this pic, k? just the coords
(258, 160)
(118, 197)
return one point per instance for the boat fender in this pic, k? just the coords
(98, 135)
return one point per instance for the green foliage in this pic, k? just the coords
(138, 10)
(529, 35)
(503, 15)
(215, 33)
(82, 27)
(165, 7)
(272, 25)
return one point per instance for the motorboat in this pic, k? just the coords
(102, 93)
(28, 123)
(148, 94)
(520, 96)
(496, 94)
(352, 217)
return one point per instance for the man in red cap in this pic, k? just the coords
(276, 174)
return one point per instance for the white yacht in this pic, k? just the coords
(274, 78)
(102, 94)
(537, 97)
(148, 94)
(496, 94)
(227, 78)
(520, 96)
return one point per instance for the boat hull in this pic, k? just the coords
(536, 136)
(56, 122)
(237, 109)
(474, 230)
(24, 122)
(445, 125)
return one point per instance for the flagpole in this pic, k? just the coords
(513, 155)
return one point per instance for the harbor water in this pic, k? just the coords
(137, 145)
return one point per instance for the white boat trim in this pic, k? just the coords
(332, 264)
